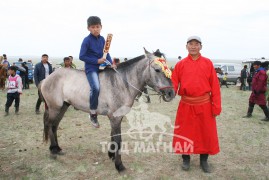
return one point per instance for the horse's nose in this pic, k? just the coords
(168, 94)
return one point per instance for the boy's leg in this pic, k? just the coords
(9, 102)
(17, 102)
(93, 80)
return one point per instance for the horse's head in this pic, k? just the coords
(158, 76)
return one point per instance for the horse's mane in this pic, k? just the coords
(136, 59)
(131, 61)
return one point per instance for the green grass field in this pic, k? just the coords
(244, 145)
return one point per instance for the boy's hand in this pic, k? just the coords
(114, 66)
(101, 60)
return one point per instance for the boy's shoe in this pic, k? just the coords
(37, 111)
(6, 113)
(94, 120)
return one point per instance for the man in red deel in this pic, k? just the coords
(195, 80)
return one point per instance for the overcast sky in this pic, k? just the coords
(229, 29)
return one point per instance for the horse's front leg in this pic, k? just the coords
(116, 142)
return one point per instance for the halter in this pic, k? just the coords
(167, 72)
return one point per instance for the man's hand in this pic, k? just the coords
(101, 60)
(114, 66)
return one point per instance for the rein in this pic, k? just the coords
(126, 80)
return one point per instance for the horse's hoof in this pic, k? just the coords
(120, 167)
(111, 156)
(53, 156)
(61, 153)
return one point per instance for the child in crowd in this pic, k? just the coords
(14, 90)
(224, 80)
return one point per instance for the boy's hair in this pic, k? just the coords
(226, 73)
(66, 58)
(93, 20)
(45, 55)
(13, 68)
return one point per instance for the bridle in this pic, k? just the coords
(149, 65)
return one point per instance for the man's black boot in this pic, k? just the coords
(6, 111)
(186, 162)
(203, 163)
(249, 114)
(16, 110)
(266, 113)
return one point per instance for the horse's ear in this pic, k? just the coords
(147, 54)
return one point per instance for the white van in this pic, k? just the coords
(233, 70)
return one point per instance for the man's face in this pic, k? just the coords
(256, 67)
(194, 47)
(67, 63)
(95, 29)
(45, 59)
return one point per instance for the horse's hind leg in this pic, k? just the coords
(52, 118)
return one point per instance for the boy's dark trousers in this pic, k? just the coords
(10, 98)
(224, 83)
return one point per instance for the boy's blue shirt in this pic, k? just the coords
(91, 50)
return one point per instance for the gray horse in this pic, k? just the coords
(67, 87)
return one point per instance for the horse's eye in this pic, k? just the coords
(157, 70)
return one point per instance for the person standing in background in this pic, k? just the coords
(42, 70)
(259, 86)
(14, 90)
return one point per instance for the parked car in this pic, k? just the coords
(30, 70)
(233, 70)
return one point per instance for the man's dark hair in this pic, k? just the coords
(116, 60)
(257, 63)
(93, 20)
(4, 55)
(245, 66)
(45, 55)
(66, 58)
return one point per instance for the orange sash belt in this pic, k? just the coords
(196, 100)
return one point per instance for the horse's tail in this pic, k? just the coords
(45, 116)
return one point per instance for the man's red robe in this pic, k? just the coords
(195, 123)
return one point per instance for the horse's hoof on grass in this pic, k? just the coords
(120, 168)
(53, 156)
(111, 156)
(60, 153)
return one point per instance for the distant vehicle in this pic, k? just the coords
(30, 70)
(233, 70)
